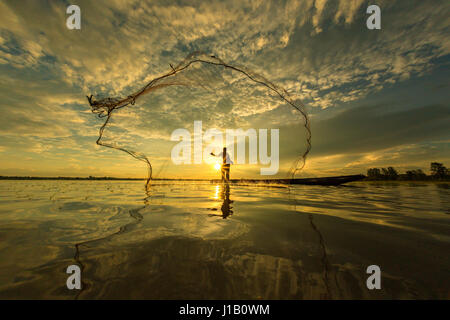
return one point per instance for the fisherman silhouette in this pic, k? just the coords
(226, 162)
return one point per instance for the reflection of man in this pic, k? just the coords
(226, 205)
(226, 162)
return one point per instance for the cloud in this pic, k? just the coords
(320, 51)
(376, 135)
(377, 127)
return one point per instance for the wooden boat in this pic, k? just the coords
(328, 181)
(324, 181)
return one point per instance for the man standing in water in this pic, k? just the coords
(226, 162)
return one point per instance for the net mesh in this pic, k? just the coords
(200, 70)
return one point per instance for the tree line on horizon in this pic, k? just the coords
(437, 172)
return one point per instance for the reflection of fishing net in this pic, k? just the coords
(216, 77)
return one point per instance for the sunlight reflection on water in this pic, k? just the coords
(199, 240)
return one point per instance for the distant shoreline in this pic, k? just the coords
(91, 178)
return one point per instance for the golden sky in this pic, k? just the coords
(375, 97)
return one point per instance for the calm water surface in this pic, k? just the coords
(199, 240)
